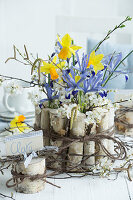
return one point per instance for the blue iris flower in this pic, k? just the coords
(70, 80)
(103, 94)
(112, 61)
(82, 66)
(93, 83)
(49, 92)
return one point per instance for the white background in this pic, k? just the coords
(34, 23)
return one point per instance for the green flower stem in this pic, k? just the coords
(116, 68)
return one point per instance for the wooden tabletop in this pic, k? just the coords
(86, 188)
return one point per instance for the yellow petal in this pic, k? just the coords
(77, 78)
(66, 41)
(69, 54)
(54, 60)
(98, 58)
(61, 65)
(63, 53)
(45, 68)
(97, 67)
(75, 48)
(92, 55)
(72, 51)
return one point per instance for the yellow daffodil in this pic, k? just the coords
(67, 48)
(95, 60)
(17, 122)
(50, 68)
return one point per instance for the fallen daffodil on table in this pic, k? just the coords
(18, 125)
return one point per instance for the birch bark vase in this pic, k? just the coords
(78, 129)
(37, 166)
(89, 148)
(58, 125)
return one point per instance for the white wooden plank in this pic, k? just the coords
(91, 188)
(129, 188)
(3, 188)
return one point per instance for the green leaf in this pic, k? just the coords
(128, 18)
(122, 26)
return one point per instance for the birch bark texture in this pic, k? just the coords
(37, 166)
(78, 129)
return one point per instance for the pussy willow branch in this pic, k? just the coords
(121, 25)
(29, 62)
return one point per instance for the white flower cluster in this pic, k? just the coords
(104, 167)
(13, 88)
(101, 105)
(65, 110)
(97, 100)
(94, 116)
(35, 96)
(60, 89)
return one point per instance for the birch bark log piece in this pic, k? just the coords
(78, 129)
(129, 120)
(37, 118)
(102, 126)
(124, 126)
(45, 124)
(37, 166)
(89, 148)
(111, 114)
(58, 125)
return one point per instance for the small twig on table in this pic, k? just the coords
(6, 196)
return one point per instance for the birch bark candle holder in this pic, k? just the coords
(124, 121)
(31, 179)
